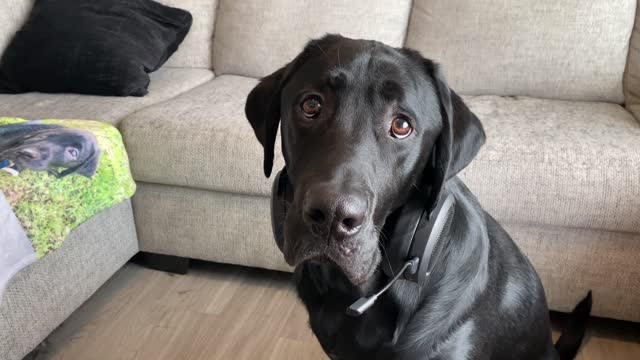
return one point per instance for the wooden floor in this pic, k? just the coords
(224, 312)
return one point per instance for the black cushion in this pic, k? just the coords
(100, 47)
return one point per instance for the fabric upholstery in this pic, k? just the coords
(223, 153)
(255, 38)
(196, 49)
(14, 13)
(558, 163)
(165, 83)
(44, 294)
(542, 48)
(206, 225)
(572, 261)
(635, 109)
(236, 229)
(632, 74)
(547, 162)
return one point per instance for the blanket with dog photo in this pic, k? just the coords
(54, 176)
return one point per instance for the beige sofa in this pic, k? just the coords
(555, 83)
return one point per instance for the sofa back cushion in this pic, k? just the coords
(13, 14)
(195, 50)
(568, 49)
(256, 37)
(632, 74)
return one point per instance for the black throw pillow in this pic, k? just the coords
(99, 47)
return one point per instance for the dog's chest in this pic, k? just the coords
(348, 337)
(343, 336)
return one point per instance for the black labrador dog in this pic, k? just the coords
(49, 147)
(365, 127)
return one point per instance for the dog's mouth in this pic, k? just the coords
(355, 279)
(357, 258)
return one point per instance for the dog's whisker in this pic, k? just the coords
(380, 239)
(318, 45)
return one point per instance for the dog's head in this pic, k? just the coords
(364, 126)
(50, 149)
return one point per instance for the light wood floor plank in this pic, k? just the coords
(225, 312)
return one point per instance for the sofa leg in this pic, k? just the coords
(168, 263)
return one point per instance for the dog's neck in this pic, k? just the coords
(459, 276)
(456, 279)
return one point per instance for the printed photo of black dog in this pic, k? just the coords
(56, 149)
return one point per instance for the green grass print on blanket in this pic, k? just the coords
(49, 208)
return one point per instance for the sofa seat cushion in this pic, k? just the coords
(560, 163)
(200, 139)
(165, 84)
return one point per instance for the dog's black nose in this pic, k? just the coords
(326, 211)
(349, 215)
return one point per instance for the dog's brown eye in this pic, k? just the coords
(311, 106)
(400, 127)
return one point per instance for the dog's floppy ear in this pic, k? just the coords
(459, 141)
(263, 102)
(263, 109)
(87, 168)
